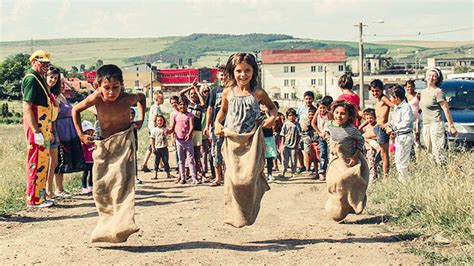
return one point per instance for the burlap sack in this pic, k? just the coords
(114, 174)
(346, 185)
(245, 183)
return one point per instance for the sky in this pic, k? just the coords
(442, 20)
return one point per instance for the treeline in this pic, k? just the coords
(197, 45)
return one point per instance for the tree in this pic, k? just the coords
(74, 69)
(12, 71)
(82, 68)
(462, 69)
(99, 63)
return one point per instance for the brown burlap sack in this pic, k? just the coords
(346, 185)
(245, 183)
(114, 174)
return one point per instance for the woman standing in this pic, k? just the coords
(432, 103)
(71, 158)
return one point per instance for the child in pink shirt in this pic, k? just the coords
(87, 149)
(182, 126)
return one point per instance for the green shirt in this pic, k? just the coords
(32, 90)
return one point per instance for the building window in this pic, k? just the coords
(277, 96)
(313, 68)
(286, 83)
(320, 82)
(285, 69)
(286, 96)
(137, 68)
(320, 68)
(138, 75)
(137, 83)
(293, 96)
(313, 81)
(341, 68)
(293, 82)
(292, 69)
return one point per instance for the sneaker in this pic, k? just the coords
(45, 204)
(85, 191)
(270, 178)
(138, 181)
(64, 194)
(182, 181)
(145, 169)
(301, 170)
(322, 177)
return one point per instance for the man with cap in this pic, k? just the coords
(37, 125)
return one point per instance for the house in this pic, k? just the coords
(447, 65)
(138, 76)
(73, 85)
(177, 79)
(287, 74)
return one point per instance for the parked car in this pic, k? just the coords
(460, 98)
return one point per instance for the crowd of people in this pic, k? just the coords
(296, 141)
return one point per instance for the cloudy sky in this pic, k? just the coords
(447, 20)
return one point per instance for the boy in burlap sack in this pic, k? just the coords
(114, 169)
(348, 172)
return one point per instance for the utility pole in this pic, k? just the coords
(325, 86)
(151, 82)
(361, 64)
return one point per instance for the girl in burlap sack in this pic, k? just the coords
(348, 173)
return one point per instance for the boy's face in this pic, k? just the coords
(323, 109)
(310, 116)
(110, 89)
(291, 117)
(376, 92)
(158, 99)
(89, 132)
(370, 119)
(308, 101)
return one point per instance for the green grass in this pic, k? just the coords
(436, 200)
(74, 52)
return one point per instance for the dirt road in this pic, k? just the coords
(183, 225)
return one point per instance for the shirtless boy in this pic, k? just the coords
(382, 109)
(112, 104)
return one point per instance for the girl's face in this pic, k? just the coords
(340, 116)
(52, 79)
(323, 109)
(410, 89)
(370, 119)
(291, 117)
(193, 96)
(431, 78)
(243, 73)
(182, 106)
(160, 122)
(174, 104)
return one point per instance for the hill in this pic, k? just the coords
(209, 49)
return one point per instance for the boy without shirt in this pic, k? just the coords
(115, 170)
(382, 109)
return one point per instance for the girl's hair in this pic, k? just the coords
(438, 73)
(345, 82)
(174, 97)
(350, 109)
(164, 119)
(277, 105)
(370, 111)
(236, 59)
(183, 99)
(326, 101)
(56, 89)
(411, 82)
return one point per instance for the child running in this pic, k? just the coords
(159, 145)
(182, 126)
(114, 169)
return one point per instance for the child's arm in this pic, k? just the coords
(76, 115)
(141, 106)
(201, 99)
(222, 113)
(359, 140)
(152, 143)
(363, 125)
(191, 128)
(386, 101)
(262, 97)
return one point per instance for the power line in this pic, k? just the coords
(420, 33)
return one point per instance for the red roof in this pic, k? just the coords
(324, 55)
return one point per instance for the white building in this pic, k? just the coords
(447, 65)
(287, 74)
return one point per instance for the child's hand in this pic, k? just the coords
(268, 122)
(218, 129)
(195, 82)
(188, 136)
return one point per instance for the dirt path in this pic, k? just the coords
(183, 225)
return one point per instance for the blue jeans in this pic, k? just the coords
(323, 149)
